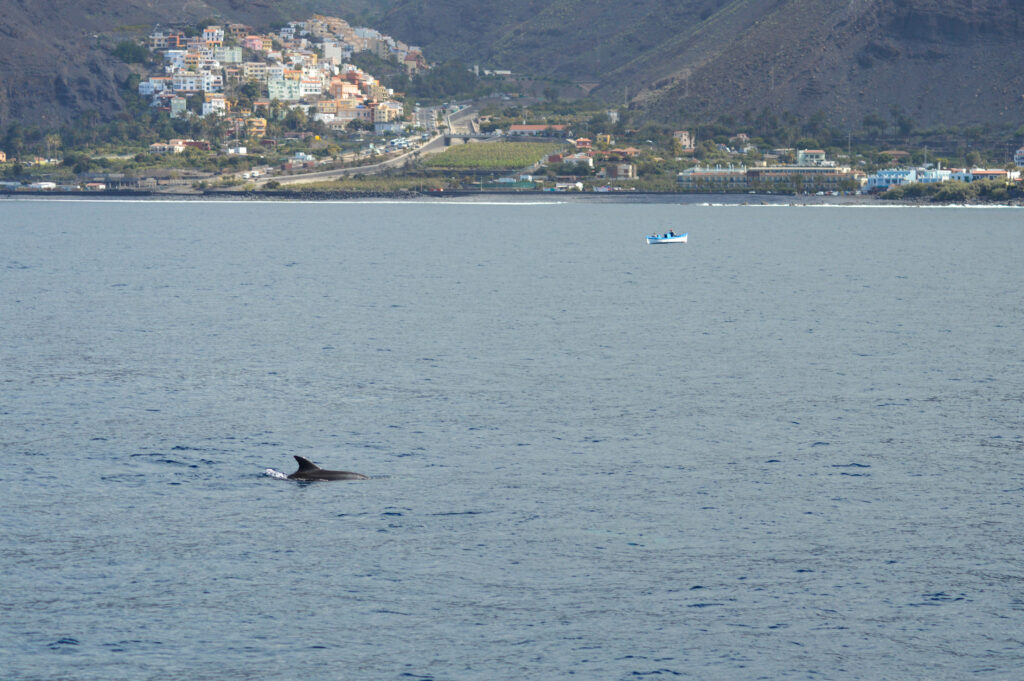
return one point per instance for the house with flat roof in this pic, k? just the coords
(810, 157)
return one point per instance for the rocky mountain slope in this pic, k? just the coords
(955, 62)
(940, 61)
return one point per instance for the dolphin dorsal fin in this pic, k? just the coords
(306, 464)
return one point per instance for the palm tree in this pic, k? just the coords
(53, 141)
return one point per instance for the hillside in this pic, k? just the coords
(579, 40)
(938, 61)
(55, 61)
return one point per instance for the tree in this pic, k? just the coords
(14, 140)
(445, 81)
(357, 124)
(53, 142)
(251, 90)
(874, 124)
(904, 123)
(194, 103)
(816, 125)
(956, 192)
(131, 53)
(295, 119)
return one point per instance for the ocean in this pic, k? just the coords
(788, 449)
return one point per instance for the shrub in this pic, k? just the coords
(131, 53)
(955, 192)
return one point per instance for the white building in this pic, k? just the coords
(179, 107)
(154, 85)
(336, 53)
(174, 59)
(212, 82)
(186, 82)
(975, 174)
(284, 89)
(228, 55)
(811, 157)
(213, 34)
(215, 104)
(891, 177)
(310, 87)
(934, 175)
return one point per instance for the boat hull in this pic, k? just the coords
(676, 239)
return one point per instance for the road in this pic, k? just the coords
(433, 145)
(426, 117)
(463, 120)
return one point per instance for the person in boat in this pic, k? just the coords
(671, 233)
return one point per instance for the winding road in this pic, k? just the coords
(462, 120)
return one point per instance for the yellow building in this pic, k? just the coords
(256, 127)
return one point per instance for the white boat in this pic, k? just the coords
(667, 238)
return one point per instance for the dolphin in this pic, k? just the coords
(310, 471)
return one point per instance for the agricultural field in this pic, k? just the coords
(493, 155)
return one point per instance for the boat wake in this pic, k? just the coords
(271, 473)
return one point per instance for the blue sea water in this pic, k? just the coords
(789, 449)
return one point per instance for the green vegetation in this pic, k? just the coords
(866, 140)
(956, 192)
(493, 155)
(443, 82)
(132, 53)
(586, 118)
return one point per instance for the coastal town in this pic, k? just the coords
(242, 84)
(813, 171)
(304, 64)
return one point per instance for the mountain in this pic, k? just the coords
(577, 40)
(954, 62)
(55, 60)
(939, 61)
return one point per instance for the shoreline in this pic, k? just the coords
(682, 198)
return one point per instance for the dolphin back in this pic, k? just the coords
(305, 465)
(310, 471)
